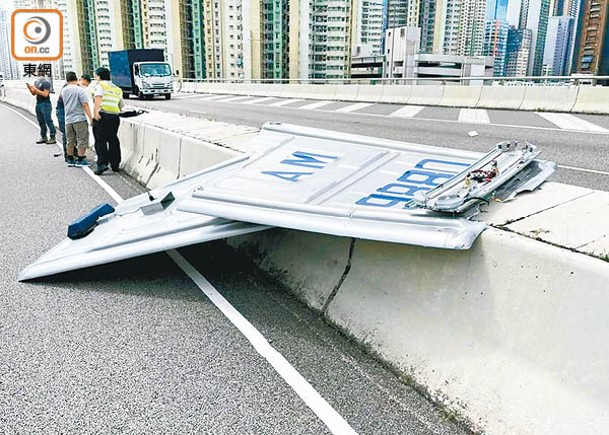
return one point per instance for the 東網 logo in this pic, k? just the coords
(37, 34)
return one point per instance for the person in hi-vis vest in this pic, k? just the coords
(108, 102)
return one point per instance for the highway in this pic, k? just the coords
(137, 347)
(577, 143)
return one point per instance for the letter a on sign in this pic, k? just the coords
(309, 160)
(289, 176)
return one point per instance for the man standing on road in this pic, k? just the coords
(61, 119)
(78, 115)
(42, 90)
(107, 107)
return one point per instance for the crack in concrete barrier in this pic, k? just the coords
(511, 221)
(342, 278)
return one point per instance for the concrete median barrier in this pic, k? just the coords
(369, 93)
(189, 87)
(490, 333)
(550, 98)
(501, 97)
(346, 93)
(309, 92)
(327, 92)
(168, 159)
(592, 99)
(426, 95)
(262, 89)
(461, 96)
(398, 94)
(327, 255)
(197, 154)
(290, 91)
(131, 136)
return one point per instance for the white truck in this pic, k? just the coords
(141, 72)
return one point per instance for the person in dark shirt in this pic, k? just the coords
(61, 118)
(42, 90)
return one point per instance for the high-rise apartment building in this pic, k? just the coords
(232, 38)
(452, 27)
(99, 31)
(432, 23)
(186, 50)
(556, 51)
(71, 59)
(497, 10)
(518, 52)
(396, 13)
(495, 44)
(464, 27)
(330, 39)
(593, 53)
(574, 9)
(9, 67)
(369, 28)
(471, 27)
(275, 39)
(534, 15)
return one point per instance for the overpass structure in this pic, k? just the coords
(510, 335)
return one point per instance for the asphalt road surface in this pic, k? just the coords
(137, 347)
(577, 143)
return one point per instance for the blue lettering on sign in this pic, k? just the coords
(290, 176)
(441, 163)
(309, 160)
(415, 176)
(421, 178)
(301, 158)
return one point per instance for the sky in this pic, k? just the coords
(6, 4)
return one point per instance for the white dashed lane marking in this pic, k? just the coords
(570, 122)
(353, 107)
(407, 112)
(474, 116)
(316, 105)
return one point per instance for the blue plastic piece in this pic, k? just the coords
(85, 224)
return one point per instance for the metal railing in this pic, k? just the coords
(486, 81)
(573, 80)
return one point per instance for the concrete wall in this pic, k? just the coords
(575, 99)
(510, 335)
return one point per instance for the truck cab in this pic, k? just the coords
(142, 72)
(152, 78)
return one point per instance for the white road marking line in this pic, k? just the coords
(316, 105)
(474, 116)
(215, 97)
(21, 115)
(284, 102)
(259, 100)
(407, 112)
(570, 122)
(592, 171)
(187, 95)
(326, 413)
(353, 107)
(230, 100)
(115, 196)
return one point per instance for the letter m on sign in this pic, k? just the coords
(309, 160)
